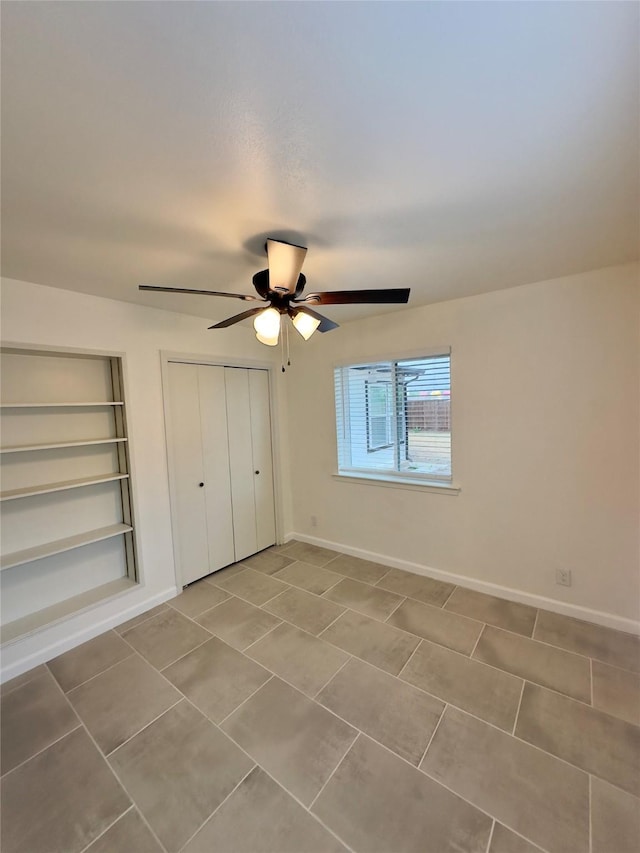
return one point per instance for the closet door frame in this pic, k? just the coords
(217, 361)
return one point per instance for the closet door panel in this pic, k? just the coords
(262, 458)
(241, 461)
(189, 497)
(215, 438)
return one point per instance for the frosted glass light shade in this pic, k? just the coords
(267, 326)
(285, 263)
(270, 342)
(305, 324)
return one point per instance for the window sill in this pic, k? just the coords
(434, 486)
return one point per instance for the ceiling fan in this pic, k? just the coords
(281, 286)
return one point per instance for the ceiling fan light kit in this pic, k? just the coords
(281, 286)
(267, 326)
(305, 324)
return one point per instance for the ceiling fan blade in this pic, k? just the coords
(246, 297)
(326, 325)
(391, 295)
(285, 263)
(230, 321)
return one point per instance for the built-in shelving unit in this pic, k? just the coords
(22, 448)
(68, 530)
(28, 555)
(59, 405)
(63, 609)
(14, 494)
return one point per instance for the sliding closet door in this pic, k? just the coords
(222, 468)
(216, 474)
(262, 458)
(241, 461)
(186, 450)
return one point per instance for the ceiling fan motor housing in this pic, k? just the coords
(279, 297)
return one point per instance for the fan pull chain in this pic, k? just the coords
(282, 337)
(288, 358)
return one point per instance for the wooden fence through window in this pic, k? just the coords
(432, 414)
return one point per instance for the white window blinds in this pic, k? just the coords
(394, 418)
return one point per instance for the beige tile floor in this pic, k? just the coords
(309, 702)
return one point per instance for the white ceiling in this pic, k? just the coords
(453, 147)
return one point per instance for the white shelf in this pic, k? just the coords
(21, 448)
(59, 405)
(69, 607)
(14, 494)
(67, 407)
(18, 558)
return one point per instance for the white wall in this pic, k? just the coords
(545, 444)
(37, 315)
(544, 376)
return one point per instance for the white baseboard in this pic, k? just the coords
(57, 647)
(586, 614)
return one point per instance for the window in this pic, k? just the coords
(379, 414)
(394, 418)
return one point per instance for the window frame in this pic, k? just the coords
(387, 477)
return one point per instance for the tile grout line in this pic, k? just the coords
(590, 813)
(535, 623)
(493, 826)
(433, 734)
(97, 674)
(364, 734)
(590, 780)
(251, 758)
(45, 748)
(142, 621)
(244, 701)
(330, 679)
(356, 729)
(389, 569)
(471, 714)
(515, 720)
(533, 844)
(446, 601)
(146, 726)
(104, 831)
(167, 665)
(333, 621)
(410, 598)
(524, 838)
(276, 781)
(475, 645)
(431, 778)
(335, 769)
(210, 577)
(440, 607)
(6, 693)
(266, 634)
(534, 640)
(202, 613)
(341, 578)
(403, 598)
(219, 806)
(591, 681)
(113, 773)
(225, 734)
(133, 628)
(277, 595)
(406, 663)
(464, 712)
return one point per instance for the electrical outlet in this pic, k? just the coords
(563, 577)
(314, 520)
